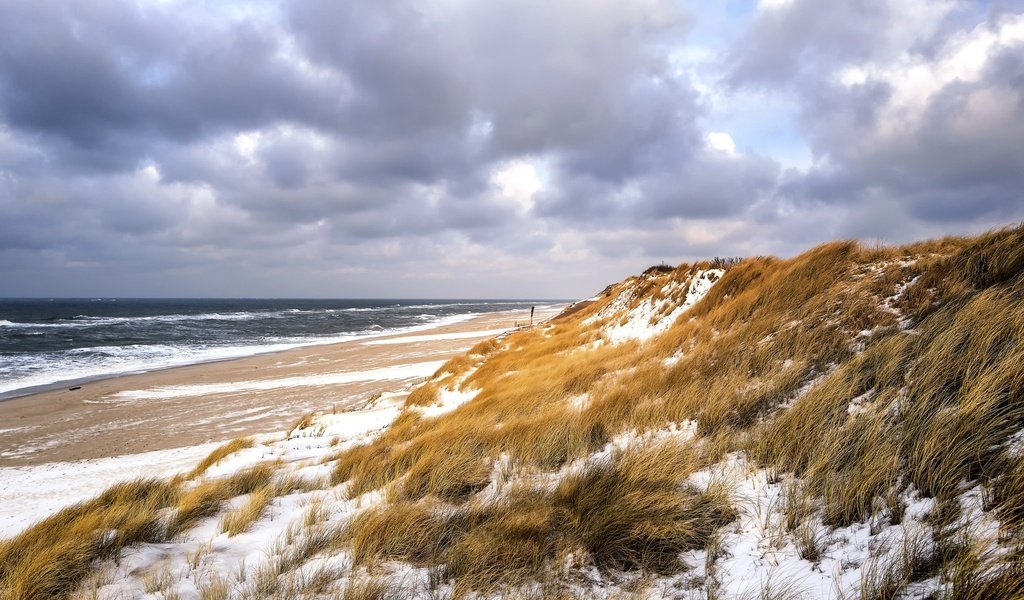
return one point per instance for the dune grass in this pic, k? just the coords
(218, 454)
(637, 512)
(860, 370)
(633, 512)
(242, 518)
(207, 498)
(51, 558)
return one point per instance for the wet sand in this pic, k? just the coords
(211, 402)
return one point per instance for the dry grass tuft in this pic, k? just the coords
(637, 513)
(368, 588)
(215, 588)
(219, 454)
(632, 513)
(206, 498)
(304, 422)
(51, 558)
(888, 573)
(453, 476)
(417, 532)
(240, 520)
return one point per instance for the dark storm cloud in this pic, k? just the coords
(403, 70)
(407, 146)
(287, 165)
(105, 78)
(403, 99)
(806, 34)
(714, 185)
(605, 89)
(505, 79)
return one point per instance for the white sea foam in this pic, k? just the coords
(83, 321)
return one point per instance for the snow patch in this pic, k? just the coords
(407, 371)
(759, 551)
(29, 494)
(579, 402)
(653, 317)
(434, 337)
(447, 401)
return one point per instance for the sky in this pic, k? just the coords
(495, 149)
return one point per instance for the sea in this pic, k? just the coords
(46, 343)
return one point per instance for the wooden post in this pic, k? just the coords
(532, 308)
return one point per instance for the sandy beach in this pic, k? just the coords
(211, 402)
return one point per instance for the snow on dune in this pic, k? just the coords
(619, 304)
(700, 285)
(652, 317)
(28, 494)
(451, 395)
(447, 401)
(206, 554)
(759, 553)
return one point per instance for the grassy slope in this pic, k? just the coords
(928, 339)
(859, 376)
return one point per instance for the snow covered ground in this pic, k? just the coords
(28, 494)
(205, 555)
(754, 553)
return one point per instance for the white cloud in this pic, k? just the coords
(851, 76)
(916, 79)
(247, 143)
(518, 181)
(772, 4)
(721, 142)
(151, 172)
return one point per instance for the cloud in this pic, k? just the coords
(101, 80)
(942, 135)
(789, 40)
(506, 148)
(721, 142)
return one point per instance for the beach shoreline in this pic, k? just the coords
(257, 351)
(209, 402)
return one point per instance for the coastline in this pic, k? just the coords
(234, 353)
(209, 402)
